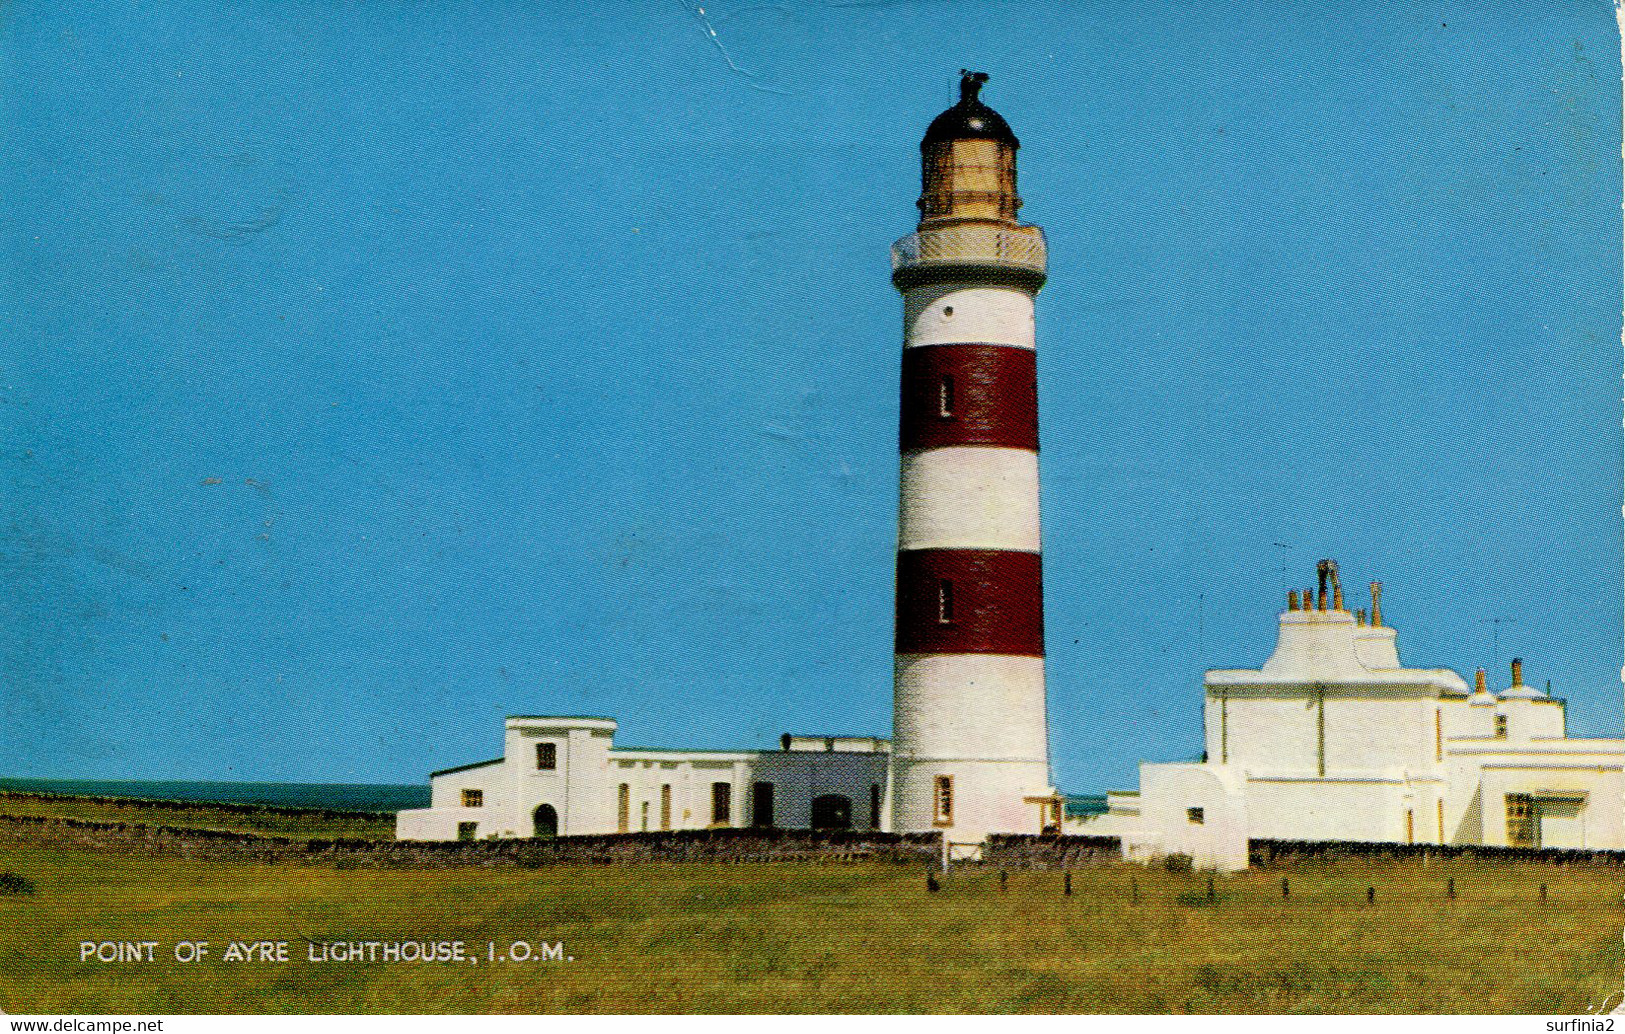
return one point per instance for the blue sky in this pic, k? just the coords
(371, 372)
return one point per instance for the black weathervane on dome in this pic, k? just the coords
(970, 85)
(970, 119)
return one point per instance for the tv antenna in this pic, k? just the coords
(1495, 635)
(1282, 545)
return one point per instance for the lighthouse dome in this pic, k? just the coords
(970, 119)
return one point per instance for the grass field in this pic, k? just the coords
(292, 823)
(817, 938)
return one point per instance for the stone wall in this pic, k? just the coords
(1026, 851)
(1285, 852)
(136, 805)
(717, 846)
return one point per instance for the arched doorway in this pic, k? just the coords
(546, 821)
(832, 811)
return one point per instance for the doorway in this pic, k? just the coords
(832, 811)
(546, 821)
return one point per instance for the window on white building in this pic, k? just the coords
(943, 800)
(473, 798)
(547, 757)
(623, 808)
(1500, 726)
(1196, 816)
(1523, 821)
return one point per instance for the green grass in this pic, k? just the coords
(819, 938)
(307, 825)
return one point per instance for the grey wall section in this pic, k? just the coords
(1018, 851)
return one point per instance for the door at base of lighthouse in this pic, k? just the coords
(832, 811)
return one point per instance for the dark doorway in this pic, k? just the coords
(761, 804)
(721, 804)
(832, 811)
(546, 821)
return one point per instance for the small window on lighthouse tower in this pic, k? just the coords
(945, 397)
(945, 602)
(943, 787)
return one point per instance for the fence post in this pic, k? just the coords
(1371, 895)
(1286, 890)
(1069, 884)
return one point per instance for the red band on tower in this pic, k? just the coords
(969, 395)
(970, 601)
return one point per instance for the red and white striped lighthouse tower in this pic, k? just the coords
(970, 747)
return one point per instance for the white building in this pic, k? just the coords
(1334, 739)
(561, 776)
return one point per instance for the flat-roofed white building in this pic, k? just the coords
(1334, 739)
(563, 776)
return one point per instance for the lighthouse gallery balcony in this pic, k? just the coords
(971, 251)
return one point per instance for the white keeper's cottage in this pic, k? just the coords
(1334, 739)
(562, 776)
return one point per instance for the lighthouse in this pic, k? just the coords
(970, 752)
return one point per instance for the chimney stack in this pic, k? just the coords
(1359, 618)
(1376, 604)
(1480, 684)
(1292, 599)
(1517, 672)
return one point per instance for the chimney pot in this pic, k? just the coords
(1292, 599)
(1517, 671)
(1376, 604)
(1480, 683)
